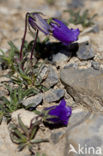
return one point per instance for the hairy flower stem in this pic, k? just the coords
(21, 50)
(34, 45)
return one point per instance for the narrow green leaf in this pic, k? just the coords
(39, 141)
(4, 99)
(22, 126)
(33, 132)
(16, 140)
(37, 112)
(19, 134)
(21, 146)
(30, 147)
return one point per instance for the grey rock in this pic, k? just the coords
(85, 51)
(53, 95)
(52, 78)
(85, 86)
(60, 57)
(79, 115)
(95, 65)
(54, 148)
(33, 101)
(87, 134)
(60, 53)
(43, 73)
(56, 136)
(74, 65)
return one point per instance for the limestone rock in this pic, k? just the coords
(53, 95)
(57, 58)
(25, 115)
(85, 86)
(52, 78)
(95, 65)
(85, 51)
(86, 135)
(33, 101)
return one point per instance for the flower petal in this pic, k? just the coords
(37, 22)
(63, 33)
(59, 114)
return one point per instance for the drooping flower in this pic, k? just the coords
(54, 27)
(50, 26)
(61, 32)
(36, 21)
(58, 114)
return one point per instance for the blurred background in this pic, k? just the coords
(12, 15)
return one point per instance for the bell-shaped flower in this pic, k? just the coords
(36, 21)
(61, 32)
(58, 114)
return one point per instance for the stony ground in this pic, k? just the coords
(79, 79)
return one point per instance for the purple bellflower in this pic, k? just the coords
(54, 27)
(36, 21)
(61, 32)
(58, 114)
(50, 26)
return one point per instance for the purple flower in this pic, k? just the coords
(53, 26)
(57, 114)
(37, 22)
(63, 33)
